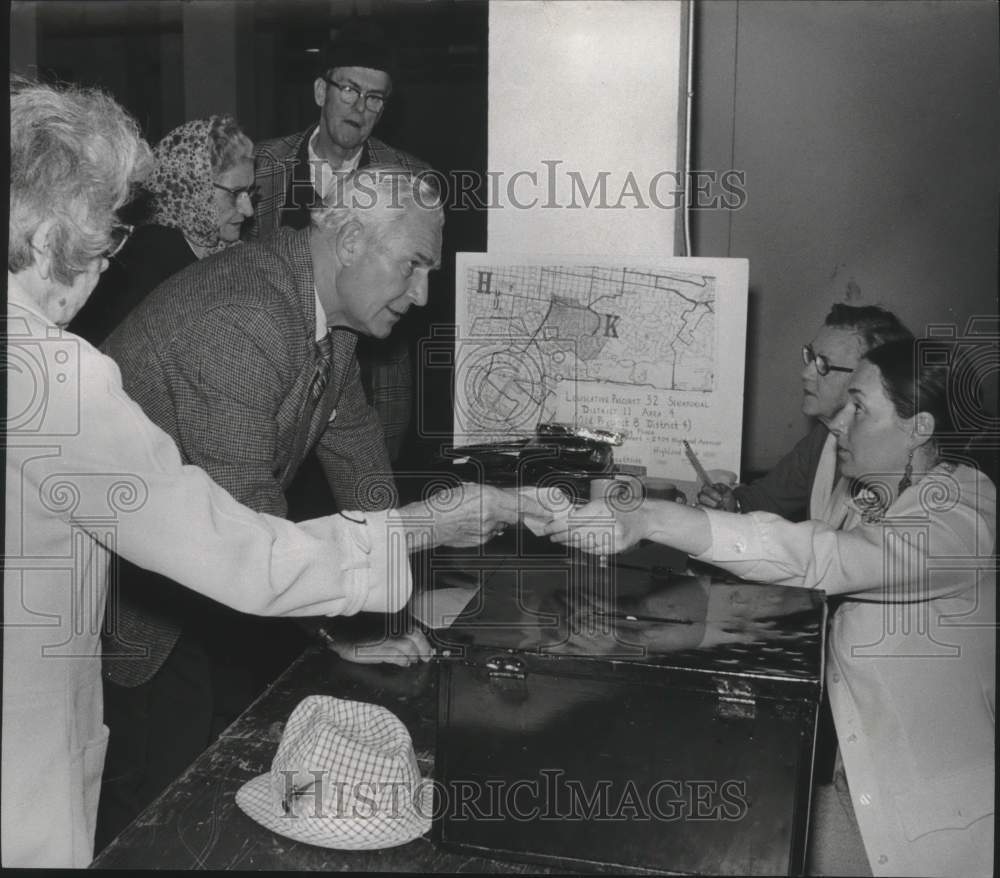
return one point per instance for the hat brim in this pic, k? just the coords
(342, 833)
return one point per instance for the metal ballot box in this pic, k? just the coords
(626, 715)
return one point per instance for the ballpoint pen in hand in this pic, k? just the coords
(698, 468)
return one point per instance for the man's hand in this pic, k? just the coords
(539, 506)
(404, 650)
(719, 496)
(465, 516)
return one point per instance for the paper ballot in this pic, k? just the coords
(440, 607)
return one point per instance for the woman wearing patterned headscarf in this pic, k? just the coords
(197, 198)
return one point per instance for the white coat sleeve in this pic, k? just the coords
(175, 520)
(947, 519)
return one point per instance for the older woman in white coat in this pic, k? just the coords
(907, 539)
(87, 472)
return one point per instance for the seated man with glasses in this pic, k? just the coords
(294, 173)
(829, 360)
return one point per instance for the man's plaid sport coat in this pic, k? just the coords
(278, 161)
(221, 356)
(386, 368)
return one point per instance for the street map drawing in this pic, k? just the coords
(655, 351)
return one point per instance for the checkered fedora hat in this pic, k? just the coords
(345, 776)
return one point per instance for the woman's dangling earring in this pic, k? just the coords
(905, 482)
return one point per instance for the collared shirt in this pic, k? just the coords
(911, 656)
(325, 169)
(321, 327)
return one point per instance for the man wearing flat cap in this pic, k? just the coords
(293, 173)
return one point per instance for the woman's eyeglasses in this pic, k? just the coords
(250, 192)
(120, 233)
(823, 365)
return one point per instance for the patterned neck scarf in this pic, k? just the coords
(181, 184)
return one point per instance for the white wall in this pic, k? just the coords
(591, 89)
(868, 134)
(23, 37)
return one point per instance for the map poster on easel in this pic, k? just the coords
(653, 349)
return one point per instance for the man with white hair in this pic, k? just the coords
(247, 358)
(353, 83)
(88, 472)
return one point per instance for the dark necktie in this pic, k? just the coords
(324, 361)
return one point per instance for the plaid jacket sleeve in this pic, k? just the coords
(378, 152)
(229, 425)
(274, 161)
(387, 375)
(353, 453)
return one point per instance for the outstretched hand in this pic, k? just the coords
(619, 520)
(403, 650)
(598, 527)
(471, 514)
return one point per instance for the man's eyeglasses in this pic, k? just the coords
(349, 94)
(823, 365)
(120, 233)
(251, 192)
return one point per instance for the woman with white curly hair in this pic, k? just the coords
(87, 472)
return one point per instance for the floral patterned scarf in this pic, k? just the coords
(181, 184)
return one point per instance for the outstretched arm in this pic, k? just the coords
(601, 528)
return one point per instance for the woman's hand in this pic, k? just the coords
(618, 521)
(598, 527)
(718, 496)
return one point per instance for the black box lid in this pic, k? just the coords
(637, 609)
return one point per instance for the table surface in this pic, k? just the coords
(196, 824)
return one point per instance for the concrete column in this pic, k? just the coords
(584, 137)
(24, 37)
(218, 68)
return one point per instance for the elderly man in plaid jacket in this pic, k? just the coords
(294, 173)
(247, 359)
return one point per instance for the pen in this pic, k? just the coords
(698, 468)
(632, 617)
